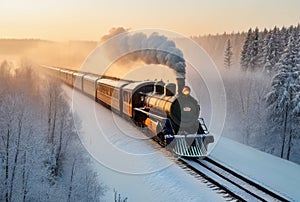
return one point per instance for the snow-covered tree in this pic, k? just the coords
(254, 51)
(245, 55)
(251, 54)
(264, 51)
(285, 89)
(248, 118)
(228, 55)
(274, 50)
(32, 168)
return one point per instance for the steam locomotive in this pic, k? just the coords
(171, 117)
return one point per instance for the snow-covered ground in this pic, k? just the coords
(280, 175)
(131, 163)
(139, 169)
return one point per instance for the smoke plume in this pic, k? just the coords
(152, 49)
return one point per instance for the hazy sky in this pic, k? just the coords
(90, 19)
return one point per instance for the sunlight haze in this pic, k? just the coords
(89, 20)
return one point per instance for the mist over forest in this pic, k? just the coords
(260, 70)
(63, 54)
(261, 74)
(41, 156)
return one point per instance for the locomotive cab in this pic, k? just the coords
(132, 98)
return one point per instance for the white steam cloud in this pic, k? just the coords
(152, 49)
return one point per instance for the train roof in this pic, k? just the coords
(91, 77)
(79, 73)
(113, 83)
(136, 85)
(67, 71)
(50, 67)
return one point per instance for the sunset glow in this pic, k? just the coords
(89, 20)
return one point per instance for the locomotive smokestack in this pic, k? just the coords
(180, 83)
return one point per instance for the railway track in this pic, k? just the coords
(238, 186)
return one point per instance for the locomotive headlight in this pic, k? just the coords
(186, 90)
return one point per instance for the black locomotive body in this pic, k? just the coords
(172, 117)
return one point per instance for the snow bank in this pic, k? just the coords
(279, 175)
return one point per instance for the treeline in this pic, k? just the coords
(20, 46)
(277, 52)
(41, 156)
(215, 45)
(264, 49)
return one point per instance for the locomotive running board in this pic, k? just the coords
(189, 146)
(150, 114)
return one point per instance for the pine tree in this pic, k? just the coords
(245, 55)
(262, 59)
(228, 55)
(255, 50)
(251, 54)
(285, 89)
(274, 51)
(296, 87)
(285, 34)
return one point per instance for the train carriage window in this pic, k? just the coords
(148, 89)
(104, 89)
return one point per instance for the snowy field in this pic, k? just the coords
(280, 175)
(131, 163)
